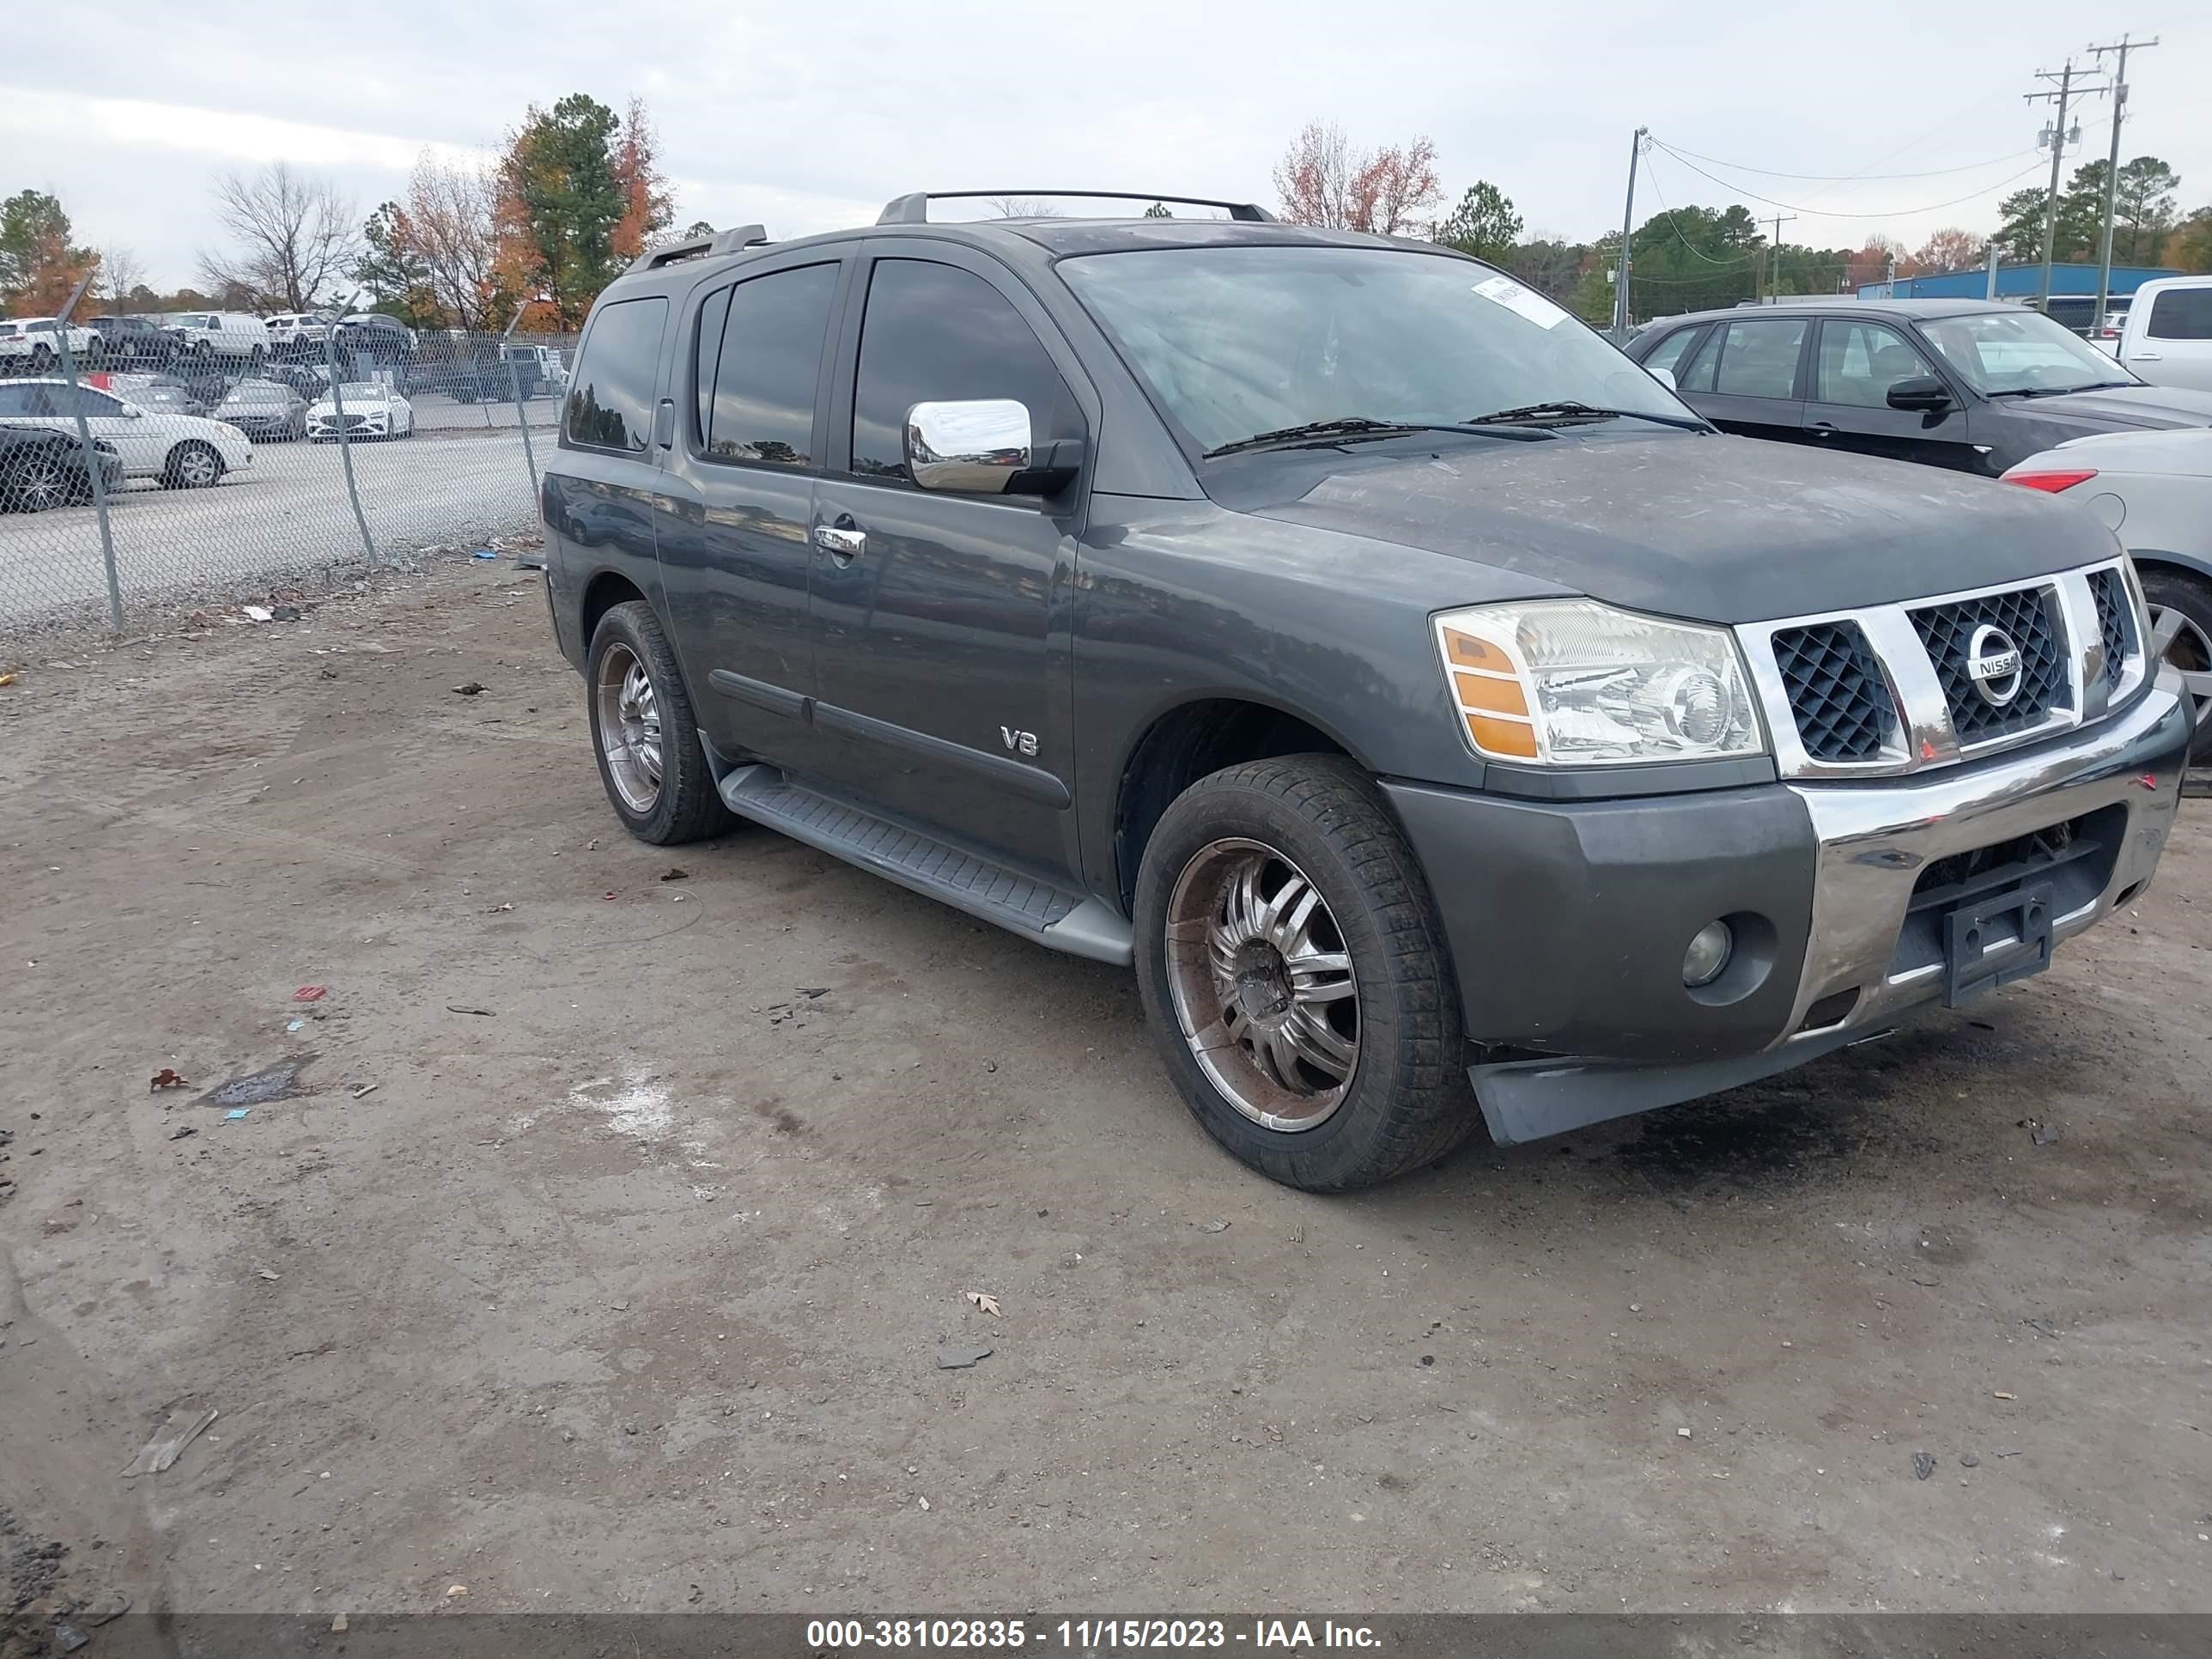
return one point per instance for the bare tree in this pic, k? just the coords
(451, 220)
(291, 233)
(1020, 206)
(1323, 181)
(120, 270)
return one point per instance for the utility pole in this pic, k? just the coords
(1627, 220)
(2057, 131)
(1773, 260)
(2112, 172)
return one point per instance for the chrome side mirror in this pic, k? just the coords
(1665, 377)
(975, 447)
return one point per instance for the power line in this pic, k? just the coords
(1849, 177)
(1818, 213)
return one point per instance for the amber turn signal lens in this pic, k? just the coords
(1467, 651)
(1494, 735)
(1497, 696)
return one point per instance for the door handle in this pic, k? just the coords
(2148, 357)
(1820, 428)
(841, 544)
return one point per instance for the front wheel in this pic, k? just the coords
(42, 359)
(35, 484)
(1295, 977)
(650, 757)
(192, 466)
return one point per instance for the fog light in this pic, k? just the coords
(1708, 954)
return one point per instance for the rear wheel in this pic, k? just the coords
(650, 757)
(2181, 614)
(42, 359)
(1295, 978)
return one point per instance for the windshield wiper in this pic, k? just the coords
(1345, 426)
(2057, 391)
(1566, 412)
(1347, 429)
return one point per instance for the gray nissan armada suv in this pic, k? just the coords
(1439, 714)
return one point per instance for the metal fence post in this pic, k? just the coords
(337, 412)
(521, 414)
(92, 469)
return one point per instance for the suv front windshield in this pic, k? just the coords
(2019, 351)
(1239, 341)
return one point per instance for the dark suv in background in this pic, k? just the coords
(1407, 684)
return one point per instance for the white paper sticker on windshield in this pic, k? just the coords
(1526, 301)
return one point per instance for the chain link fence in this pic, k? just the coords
(223, 470)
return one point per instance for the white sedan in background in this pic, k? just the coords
(183, 451)
(2155, 489)
(372, 410)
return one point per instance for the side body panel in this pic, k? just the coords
(943, 650)
(1179, 602)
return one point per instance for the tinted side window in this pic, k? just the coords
(771, 360)
(2181, 313)
(1860, 361)
(712, 315)
(1668, 354)
(1759, 359)
(937, 333)
(610, 404)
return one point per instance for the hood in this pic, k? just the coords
(1707, 528)
(2126, 405)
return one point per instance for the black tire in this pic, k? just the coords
(42, 359)
(1406, 1102)
(685, 805)
(2167, 589)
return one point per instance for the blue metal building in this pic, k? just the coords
(2013, 282)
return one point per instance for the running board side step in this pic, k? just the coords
(1065, 921)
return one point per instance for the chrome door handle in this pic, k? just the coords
(841, 544)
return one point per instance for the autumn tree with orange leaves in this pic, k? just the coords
(580, 194)
(1322, 180)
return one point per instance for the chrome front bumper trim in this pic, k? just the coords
(1875, 839)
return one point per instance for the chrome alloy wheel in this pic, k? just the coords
(39, 483)
(630, 727)
(1262, 984)
(2182, 645)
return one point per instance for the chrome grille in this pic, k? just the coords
(2023, 616)
(1842, 707)
(1885, 689)
(2113, 616)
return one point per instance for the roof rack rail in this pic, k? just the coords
(699, 247)
(913, 209)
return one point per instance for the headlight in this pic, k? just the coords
(1574, 683)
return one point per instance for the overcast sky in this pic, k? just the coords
(809, 118)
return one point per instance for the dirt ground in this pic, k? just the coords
(626, 1293)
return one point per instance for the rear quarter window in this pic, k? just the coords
(610, 401)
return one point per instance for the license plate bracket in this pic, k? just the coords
(2020, 913)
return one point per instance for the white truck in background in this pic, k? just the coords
(2167, 337)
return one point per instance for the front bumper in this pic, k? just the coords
(1567, 921)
